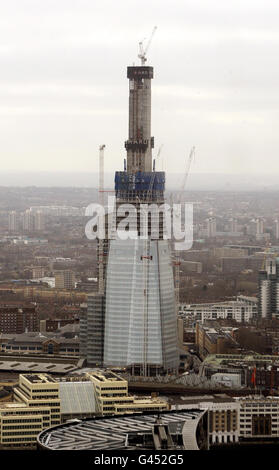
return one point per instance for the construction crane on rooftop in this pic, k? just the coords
(143, 52)
(101, 173)
(190, 159)
(177, 262)
(152, 179)
(159, 152)
(146, 258)
(101, 202)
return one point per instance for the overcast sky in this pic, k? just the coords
(64, 91)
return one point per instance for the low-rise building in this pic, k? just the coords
(20, 425)
(64, 279)
(49, 324)
(192, 266)
(228, 380)
(242, 310)
(14, 319)
(38, 272)
(236, 420)
(39, 344)
(213, 339)
(229, 252)
(257, 371)
(223, 420)
(259, 418)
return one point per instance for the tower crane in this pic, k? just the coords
(152, 179)
(101, 201)
(143, 52)
(101, 173)
(177, 261)
(190, 159)
(159, 151)
(146, 258)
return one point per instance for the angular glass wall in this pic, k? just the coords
(140, 320)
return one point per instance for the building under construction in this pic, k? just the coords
(135, 325)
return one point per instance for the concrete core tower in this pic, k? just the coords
(140, 142)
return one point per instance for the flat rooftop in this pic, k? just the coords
(106, 376)
(39, 378)
(11, 406)
(36, 366)
(196, 400)
(219, 359)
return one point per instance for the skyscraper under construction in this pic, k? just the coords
(138, 327)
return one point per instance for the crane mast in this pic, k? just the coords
(177, 261)
(143, 52)
(101, 202)
(190, 159)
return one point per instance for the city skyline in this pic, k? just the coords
(139, 228)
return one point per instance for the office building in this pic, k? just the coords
(259, 226)
(240, 310)
(18, 320)
(39, 221)
(268, 289)
(38, 272)
(213, 339)
(192, 267)
(262, 366)
(36, 343)
(20, 425)
(233, 225)
(138, 332)
(259, 418)
(211, 227)
(217, 421)
(28, 221)
(49, 324)
(39, 390)
(230, 252)
(13, 222)
(36, 407)
(112, 397)
(64, 279)
(92, 324)
(42, 401)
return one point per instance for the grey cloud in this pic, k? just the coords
(63, 85)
